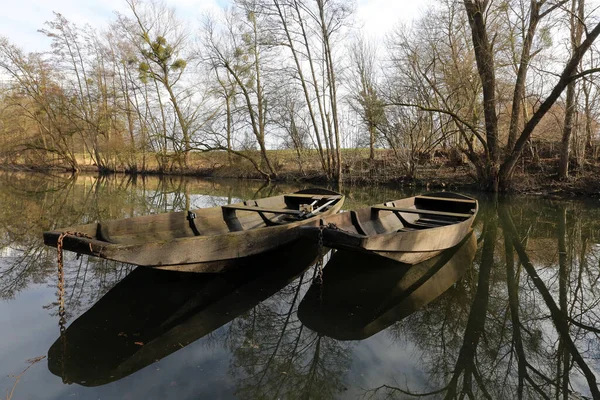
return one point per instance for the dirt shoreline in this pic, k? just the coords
(442, 178)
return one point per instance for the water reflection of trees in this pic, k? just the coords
(275, 356)
(33, 203)
(525, 324)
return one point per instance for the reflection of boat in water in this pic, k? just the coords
(196, 241)
(363, 294)
(409, 230)
(152, 313)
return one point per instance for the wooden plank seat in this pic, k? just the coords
(311, 196)
(407, 229)
(419, 224)
(437, 222)
(232, 209)
(234, 225)
(420, 211)
(424, 224)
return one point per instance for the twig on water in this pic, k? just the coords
(31, 362)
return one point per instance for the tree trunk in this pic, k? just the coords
(571, 104)
(565, 149)
(371, 142)
(301, 76)
(229, 126)
(331, 82)
(485, 66)
(566, 77)
(522, 73)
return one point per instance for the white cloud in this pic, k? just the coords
(380, 16)
(20, 20)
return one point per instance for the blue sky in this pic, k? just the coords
(21, 19)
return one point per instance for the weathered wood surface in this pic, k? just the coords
(409, 230)
(261, 209)
(165, 240)
(363, 294)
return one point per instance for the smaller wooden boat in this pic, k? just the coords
(363, 294)
(203, 240)
(409, 230)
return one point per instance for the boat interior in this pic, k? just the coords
(415, 213)
(250, 214)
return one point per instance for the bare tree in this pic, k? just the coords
(499, 171)
(160, 43)
(310, 32)
(42, 100)
(365, 99)
(240, 53)
(576, 21)
(430, 89)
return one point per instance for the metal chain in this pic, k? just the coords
(62, 315)
(62, 319)
(320, 264)
(334, 227)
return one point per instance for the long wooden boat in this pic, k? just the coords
(203, 240)
(151, 314)
(409, 230)
(362, 294)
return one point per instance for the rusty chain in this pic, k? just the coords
(320, 264)
(62, 315)
(62, 319)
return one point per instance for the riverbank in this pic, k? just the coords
(434, 173)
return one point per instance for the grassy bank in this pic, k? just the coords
(439, 172)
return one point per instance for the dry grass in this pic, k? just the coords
(441, 171)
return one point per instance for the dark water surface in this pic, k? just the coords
(511, 312)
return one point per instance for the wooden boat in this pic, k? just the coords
(151, 314)
(410, 230)
(362, 294)
(203, 240)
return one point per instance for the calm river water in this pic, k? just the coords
(512, 312)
